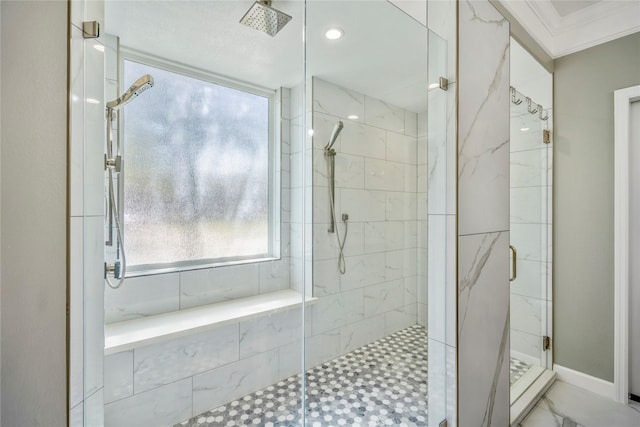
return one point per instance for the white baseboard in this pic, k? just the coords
(595, 385)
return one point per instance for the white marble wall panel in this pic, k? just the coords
(483, 329)
(365, 205)
(384, 175)
(270, 331)
(338, 310)
(402, 148)
(363, 271)
(326, 277)
(383, 297)
(162, 363)
(483, 129)
(94, 411)
(529, 204)
(214, 388)
(211, 285)
(401, 206)
(527, 168)
(322, 347)
(483, 215)
(400, 318)
(531, 241)
(274, 276)
(362, 140)
(326, 244)
(531, 280)
(290, 359)
(526, 347)
(142, 296)
(383, 115)
(531, 315)
(337, 101)
(118, 383)
(361, 333)
(164, 405)
(76, 414)
(93, 305)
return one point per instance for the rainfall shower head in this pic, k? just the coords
(336, 131)
(143, 83)
(262, 17)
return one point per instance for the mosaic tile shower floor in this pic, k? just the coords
(382, 383)
(517, 368)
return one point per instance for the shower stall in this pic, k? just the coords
(284, 197)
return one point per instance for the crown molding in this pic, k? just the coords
(559, 36)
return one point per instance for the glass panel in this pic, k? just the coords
(197, 172)
(218, 343)
(366, 353)
(530, 236)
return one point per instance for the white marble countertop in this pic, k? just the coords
(135, 333)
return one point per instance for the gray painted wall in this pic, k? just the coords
(583, 201)
(33, 212)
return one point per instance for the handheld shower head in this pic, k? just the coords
(336, 131)
(143, 83)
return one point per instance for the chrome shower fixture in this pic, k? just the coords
(113, 164)
(262, 17)
(336, 131)
(143, 83)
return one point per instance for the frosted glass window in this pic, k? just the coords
(196, 171)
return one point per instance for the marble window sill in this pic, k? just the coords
(135, 333)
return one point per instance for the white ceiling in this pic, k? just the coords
(382, 53)
(562, 27)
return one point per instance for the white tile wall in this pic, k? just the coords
(269, 332)
(166, 405)
(118, 383)
(212, 389)
(142, 296)
(208, 286)
(163, 363)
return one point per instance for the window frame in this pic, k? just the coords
(274, 164)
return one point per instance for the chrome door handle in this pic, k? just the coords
(514, 255)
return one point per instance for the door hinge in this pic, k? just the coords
(443, 83)
(90, 29)
(546, 343)
(546, 136)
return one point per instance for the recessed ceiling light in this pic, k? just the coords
(92, 101)
(334, 33)
(98, 47)
(353, 117)
(524, 129)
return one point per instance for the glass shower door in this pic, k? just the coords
(366, 345)
(531, 190)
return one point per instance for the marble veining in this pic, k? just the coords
(470, 277)
(565, 405)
